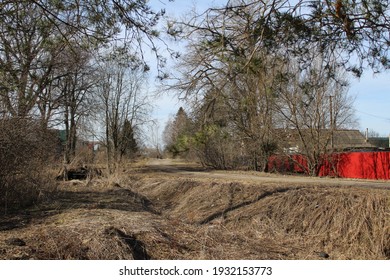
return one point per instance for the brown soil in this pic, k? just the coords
(168, 209)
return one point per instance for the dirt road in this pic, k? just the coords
(182, 169)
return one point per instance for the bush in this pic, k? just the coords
(25, 151)
(219, 149)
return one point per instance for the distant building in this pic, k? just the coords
(61, 135)
(338, 140)
(380, 142)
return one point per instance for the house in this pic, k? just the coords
(337, 140)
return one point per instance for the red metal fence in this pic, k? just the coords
(359, 165)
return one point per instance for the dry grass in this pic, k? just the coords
(138, 216)
(346, 223)
(274, 220)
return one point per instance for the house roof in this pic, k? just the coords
(342, 139)
(350, 139)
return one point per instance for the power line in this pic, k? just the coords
(374, 116)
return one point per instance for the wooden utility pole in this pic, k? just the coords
(331, 121)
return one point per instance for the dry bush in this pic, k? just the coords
(221, 152)
(84, 156)
(26, 151)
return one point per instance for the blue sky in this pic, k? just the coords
(372, 92)
(372, 101)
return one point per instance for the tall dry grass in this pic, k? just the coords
(346, 223)
(192, 218)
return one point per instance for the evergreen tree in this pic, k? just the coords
(128, 143)
(177, 133)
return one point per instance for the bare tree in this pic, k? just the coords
(33, 34)
(313, 105)
(240, 57)
(77, 86)
(229, 56)
(123, 103)
(154, 139)
(28, 50)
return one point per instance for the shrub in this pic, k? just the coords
(25, 151)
